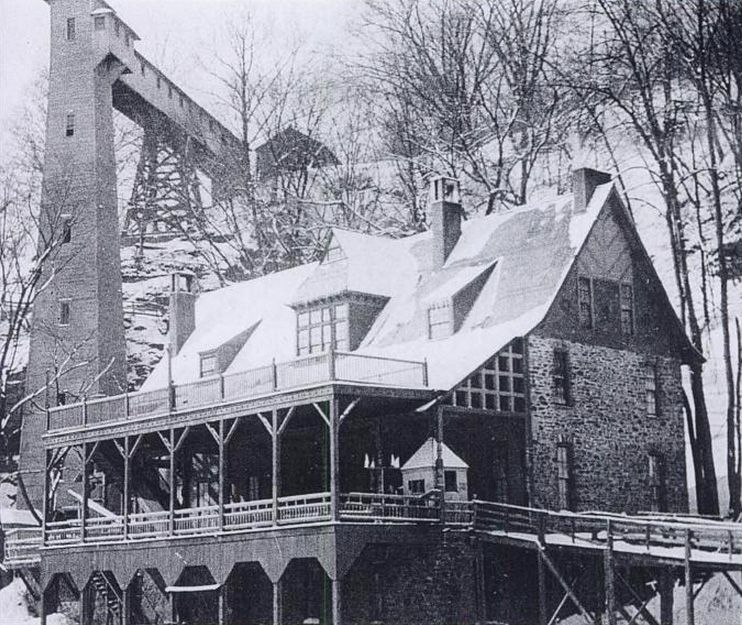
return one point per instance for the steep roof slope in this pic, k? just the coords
(518, 260)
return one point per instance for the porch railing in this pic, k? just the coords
(707, 540)
(315, 369)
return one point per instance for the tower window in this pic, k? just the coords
(64, 313)
(657, 481)
(650, 389)
(585, 302)
(70, 125)
(117, 27)
(127, 40)
(170, 92)
(560, 377)
(564, 475)
(159, 82)
(66, 229)
(70, 29)
(100, 22)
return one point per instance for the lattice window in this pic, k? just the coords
(208, 365)
(585, 302)
(317, 327)
(499, 385)
(69, 129)
(650, 389)
(627, 309)
(71, 30)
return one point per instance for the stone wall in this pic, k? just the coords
(607, 425)
(409, 584)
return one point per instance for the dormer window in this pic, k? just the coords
(323, 326)
(208, 365)
(71, 29)
(439, 321)
(99, 22)
(334, 252)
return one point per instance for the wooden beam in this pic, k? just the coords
(214, 433)
(120, 447)
(127, 458)
(689, 607)
(171, 503)
(222, 469)
(542, 602)
(85, 494)
(93, 449)
(166, 442)
(562, 582)
(322, 413)
(286, 419)
(277, 603)
(337, 605)
(275, 472)
(266, 424)
(555, 616)
(346, 413)
(639, 601)
(181, 438)
(666, 590)
(232, 430)
(135, 447)
(732, 582)
(609, 577)
(334, 465)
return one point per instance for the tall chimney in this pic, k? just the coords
(584, 181)
(445, 217)
(182, 308)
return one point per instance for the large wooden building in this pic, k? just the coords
(273, 468)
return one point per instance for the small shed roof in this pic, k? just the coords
(425, 457)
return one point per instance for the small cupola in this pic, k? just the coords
(446, 214)
(182, 308)
(418, 473)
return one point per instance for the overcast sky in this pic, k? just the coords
(175, 34)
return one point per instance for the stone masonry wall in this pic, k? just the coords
(608, 427)
(411, 584)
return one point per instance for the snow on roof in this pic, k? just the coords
(425, 457)
(531, 248)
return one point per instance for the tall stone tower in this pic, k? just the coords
(77, 333)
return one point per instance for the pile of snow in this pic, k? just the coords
(16, 607)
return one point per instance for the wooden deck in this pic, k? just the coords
(710, 544)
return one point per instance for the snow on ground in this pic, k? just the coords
(16, 607)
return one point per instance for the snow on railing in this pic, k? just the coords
(306, 371)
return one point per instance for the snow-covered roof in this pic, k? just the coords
(518, 259)
(425, 457)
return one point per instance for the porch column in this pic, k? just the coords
(126, 487)
(171, 505)
(439, 476)
(277, 603)
(543, 617)
(42, 607)
(125, 605)
(334, 460)
(84, 606)
(45, 505)
(276, 464)
(85, 493)
(222, 605)
(609, 577)
(337, 605)
(689, 608)
(222, 465)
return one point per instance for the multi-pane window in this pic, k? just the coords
(69, 128)
(117, 27)
(560, 377)
(71, 29)
(564, 475)
(627, 309)
(657, 481)
(650, 389)
(499, 385)
(99, 22)
(585, 302)
(64, 313)
(322, 327)
(208, 365)
(439, 321)
(334, 252)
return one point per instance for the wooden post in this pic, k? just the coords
(126, 487)
(222, 605)
(609, 575)
(277, 603)
(481, 587)
(439, 475)
(543, 617)
(84, 409)
(171, 506)
(337, 606)
(85, 493)
(276, 460)
(666, 596)
(45, 502)
(43, 606)
(691, 618)
(125, 605)
(331, 361)
(84, 605)
(334, 457)
(46, 400)
(222, 465)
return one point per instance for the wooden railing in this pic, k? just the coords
(307, 371)
(711, 541)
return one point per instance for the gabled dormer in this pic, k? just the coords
(216, 360)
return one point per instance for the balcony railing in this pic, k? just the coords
(708, 541)
(307, 371)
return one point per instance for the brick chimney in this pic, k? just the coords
(445, 217)
(182, 308)
(584, 181)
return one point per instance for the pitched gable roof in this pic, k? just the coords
(427, 454)
(521, 258)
